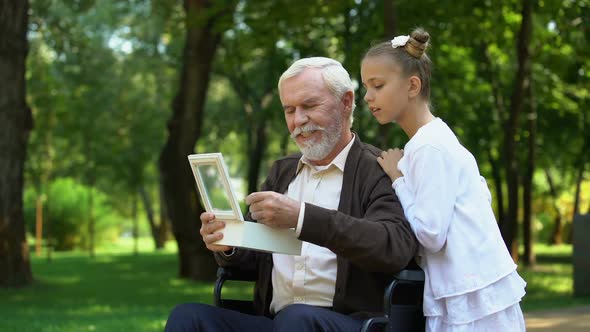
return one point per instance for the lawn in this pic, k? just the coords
(115, 291)
(119, 291)
(550, 282)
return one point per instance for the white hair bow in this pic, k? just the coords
(399, 41)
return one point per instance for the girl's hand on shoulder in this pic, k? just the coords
(389, 160)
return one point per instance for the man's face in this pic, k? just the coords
(315, 118)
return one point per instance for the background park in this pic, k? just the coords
(101, 102)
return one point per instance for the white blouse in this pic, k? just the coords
(469, 272)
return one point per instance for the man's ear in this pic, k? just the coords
(415, 86)
(347, 99)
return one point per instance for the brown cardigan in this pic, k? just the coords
(369, 234)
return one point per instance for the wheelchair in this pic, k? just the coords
(402, 308)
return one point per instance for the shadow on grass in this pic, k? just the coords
(550, 283)
(123, 292)
(108, 293)
(554, 259)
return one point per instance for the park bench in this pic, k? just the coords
(402, 300)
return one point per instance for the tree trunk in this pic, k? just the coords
(557, 234)
(256, 155)
(48, 236)
(389, 19)
(581, 165)
(256, 99)
(389, 31)
(359, 125)
(155, 229)
(576, 210)
(579, 180)
(164, 228)
(91, 220)
(203, 33)
(510, 231)
(487, 69)
(497, 177)
(135, 228)
(15, 124)
(38, 225)
(527, 223)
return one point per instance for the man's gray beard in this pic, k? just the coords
(322, 148)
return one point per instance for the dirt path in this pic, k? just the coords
(575, 319)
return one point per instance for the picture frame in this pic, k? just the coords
(213, 182)
(219, 197)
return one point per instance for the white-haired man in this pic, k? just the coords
(340, 202)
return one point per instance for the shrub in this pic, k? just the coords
(66, 214)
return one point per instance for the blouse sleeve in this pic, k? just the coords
(427, 193)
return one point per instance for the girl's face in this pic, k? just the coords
(387, 89)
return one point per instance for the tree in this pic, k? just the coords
(509, 231)
(15, 123)
(389, 31)
(205, 22)
(528, 186)
(254, 82)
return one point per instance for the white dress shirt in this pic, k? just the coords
(469, 272)
(311, 277)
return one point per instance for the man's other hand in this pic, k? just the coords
(273, 209)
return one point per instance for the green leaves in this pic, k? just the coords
(102, 76)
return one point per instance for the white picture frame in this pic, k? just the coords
(211, 175)
(218, 197)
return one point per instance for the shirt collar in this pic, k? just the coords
(339, 162)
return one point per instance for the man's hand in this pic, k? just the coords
(273, 209)
(209, 228)
(389, 160)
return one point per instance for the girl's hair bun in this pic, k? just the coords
(418, 43)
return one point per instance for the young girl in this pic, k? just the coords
(471, 280)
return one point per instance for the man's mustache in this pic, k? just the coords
(306, 129)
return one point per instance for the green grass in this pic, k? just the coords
(119, 291)
(550, 282)
(115, 291)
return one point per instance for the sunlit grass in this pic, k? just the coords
(550, 282)
(115, 291)
(120, 291)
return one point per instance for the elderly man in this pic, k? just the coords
(341, 205)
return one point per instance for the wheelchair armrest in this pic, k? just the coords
(375, 324)
(235, 274)
(403, 301)
(410, 275)
(403, 305)
(406, 288)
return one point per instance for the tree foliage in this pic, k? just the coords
(103, 77)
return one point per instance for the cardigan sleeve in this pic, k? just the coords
(376, 236)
